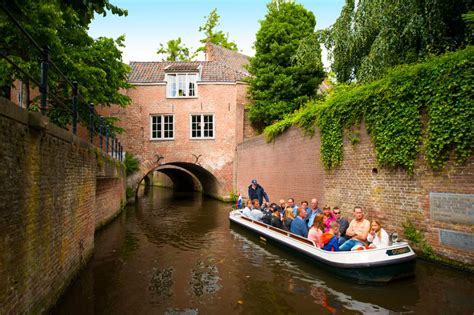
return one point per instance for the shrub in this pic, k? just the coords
(394, 108)
(131, 163)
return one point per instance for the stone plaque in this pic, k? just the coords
(457, 239)
(453, 208)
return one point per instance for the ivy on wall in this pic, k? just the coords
(437, 93)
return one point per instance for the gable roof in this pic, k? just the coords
(233, 59)
(154, 72)
(222, 65)
(182, 67)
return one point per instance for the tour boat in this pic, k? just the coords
(378, 265)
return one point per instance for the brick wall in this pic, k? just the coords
(291, 167)
(288, 167)
(110, 197)
(224, 100)
(47, 209)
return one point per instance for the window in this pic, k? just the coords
(202, 126)
(162, 127)
(182, 85)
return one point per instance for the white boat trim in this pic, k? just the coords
(396, 253)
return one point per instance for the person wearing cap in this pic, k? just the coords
(257, 192)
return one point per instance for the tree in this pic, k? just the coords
(287, 67)
(175, 51)
(371, 36)
(95, 63)
(215, 37)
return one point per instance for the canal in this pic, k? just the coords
(175, 253)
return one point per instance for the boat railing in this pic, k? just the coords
(282, 232)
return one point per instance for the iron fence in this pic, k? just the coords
(97, 124)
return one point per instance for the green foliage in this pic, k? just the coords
(393, 108)
(468, 18)
(412, 233)
(175, 51)
(303, 117)
(211, 35)
(233, 196)
(130, 193)
(95, 63)
(451, 114)
(287, 67)
(371, 36)
(417, 238)
(131, 163)
(420, 244)
(87, 8)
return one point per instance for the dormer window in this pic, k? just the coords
(181, 84)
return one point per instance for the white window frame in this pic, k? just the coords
(186, 84)
(202, 137)
(162, 138)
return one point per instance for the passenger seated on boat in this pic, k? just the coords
(276, 221)
(276, 208)
(247, 211)
(257, 214)
(317, 230)
(251, 212)
(282, 206)
(288, 218)
(377, 236)
(298, 226)
(357, 231)
(255, 204)
(304, 204)
(291, 204)
(343, 224)
(267, 214)
(331, 218)
(313, 212)
(329, 238)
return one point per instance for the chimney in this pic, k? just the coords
(209, 51)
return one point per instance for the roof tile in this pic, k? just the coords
(226, 66)
(212, 71)
(233, 59)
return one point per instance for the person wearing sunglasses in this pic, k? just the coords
(343, 224)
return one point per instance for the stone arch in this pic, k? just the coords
(183, 180)
(185, 176)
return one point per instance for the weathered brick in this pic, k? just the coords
(291, 167)
(50, 204)
(226, 100)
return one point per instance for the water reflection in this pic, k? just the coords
(161, 283)
(294, 279)
(174, 253)
(204, 278)
(321, 298)
(157, 217)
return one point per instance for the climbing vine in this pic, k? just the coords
(395, 109)
(131, 163)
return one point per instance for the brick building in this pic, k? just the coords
(186, 119)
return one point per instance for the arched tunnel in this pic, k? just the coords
(187, 177)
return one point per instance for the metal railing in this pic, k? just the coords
(96, 124)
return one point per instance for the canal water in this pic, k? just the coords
(175, 253)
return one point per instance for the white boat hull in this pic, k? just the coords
(366, 266)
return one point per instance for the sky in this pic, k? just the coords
(151, 22)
